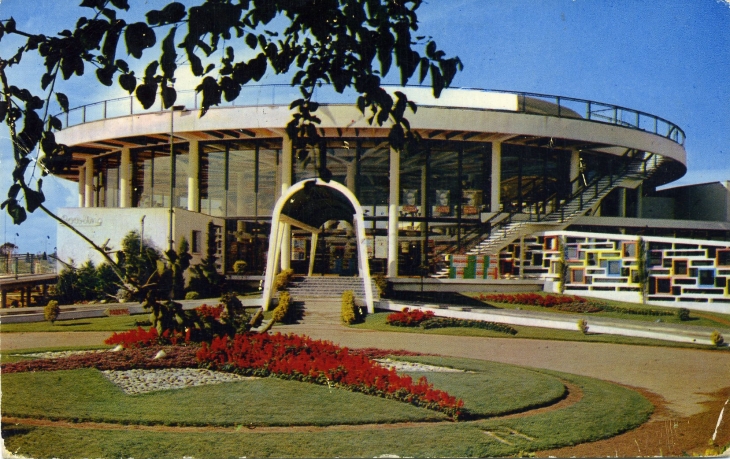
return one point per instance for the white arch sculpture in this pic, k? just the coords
(277, 237)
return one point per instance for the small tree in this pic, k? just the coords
(51, 311)
(205, 278)
(179, 263)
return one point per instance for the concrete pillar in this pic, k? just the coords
(622, 202)
(423, 213)
(82, 186)
(194, 176)
(640, 201)
(3, 298)
(89, 183)
(286, 182)
(496, 195)
(28, 293)
(574, 168)
(394, 203)
(125, 179)
(351, 177)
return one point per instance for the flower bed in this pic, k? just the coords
(127, 359)
(567, 303)
(139, 337)
(321, 362)
(408, 317)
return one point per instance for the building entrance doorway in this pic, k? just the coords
(324, 210)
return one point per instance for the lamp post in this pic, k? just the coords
(173, 109)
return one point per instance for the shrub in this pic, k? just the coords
(51, 311)
(381, 283)
(717, 338)
(239, 267)
(683, 314)
(282, 309)
(349, 312)
(443, 322)
(282, 279)
(408, 318)
(192, 295)
(582, 326)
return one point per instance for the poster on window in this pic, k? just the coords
(443, 204)
(381, 247)
(409, 201)
(298, 249)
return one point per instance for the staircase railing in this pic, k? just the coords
(553, 208)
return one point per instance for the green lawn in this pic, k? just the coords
(605, 410)
(377, 321)
(110, 324)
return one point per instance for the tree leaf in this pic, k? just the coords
(121, 4)
(128, 82)
(33, 199)
(169, 56)
(146, 94)
(169, 96)
(138, 37)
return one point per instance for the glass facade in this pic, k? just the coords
(445, 189)
(106, 180)
(151, 172)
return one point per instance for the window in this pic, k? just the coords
(629, 249)
(614, 267)
(723, 257)
(707, 277)
(663, 285)
(576, 276)
(196, 241)
(680, 267)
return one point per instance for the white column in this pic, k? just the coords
(496, 196)
(194, 176)
(82, 186)
(393, 205)
(312, 253)
(574, 167)
(125, 179)
(286, 182)
(89, 183)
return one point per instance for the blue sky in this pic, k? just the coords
(668, 58)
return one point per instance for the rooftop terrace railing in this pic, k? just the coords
(283, 94)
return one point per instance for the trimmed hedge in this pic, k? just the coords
(443, 322)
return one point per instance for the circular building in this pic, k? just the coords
(491, 167)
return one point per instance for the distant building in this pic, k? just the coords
(493, 171)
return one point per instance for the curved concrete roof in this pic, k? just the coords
(446, 123)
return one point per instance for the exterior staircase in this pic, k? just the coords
(508, 227)
(302, 288)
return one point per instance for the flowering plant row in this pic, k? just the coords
(127, 359)
(408, 317)
(139, 337)
(567, 303)
(321, 362)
